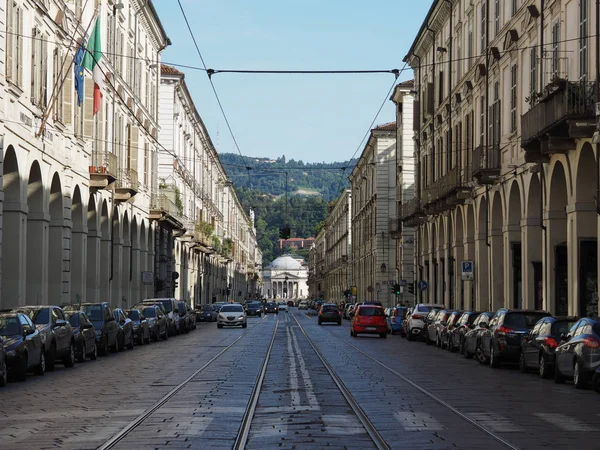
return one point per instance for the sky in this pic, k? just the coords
(313, 118)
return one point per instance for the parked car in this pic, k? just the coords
(473, 334)
(429, 326)
(462, 325)
(538, 346)
(158, 323)
(207, 314)
(349, 311)
(141, 327)
(578, 353)
(451, 323)
(303, 305)
(125, 336)
(405, 319)
(395, 318)
(290, 303)
(169, 306)
(329, 312)
(107, 329)
(501, 341)
(3, 364)
(232, 315)
(191, 315)
(254, 309)
(183, 318)
(84, 334)
(416, 322)
(369, 319)
(282, 306)
(56, 332)
(271, 307)
(23, 346)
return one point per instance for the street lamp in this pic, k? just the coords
(383, 268)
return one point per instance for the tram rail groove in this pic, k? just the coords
(156, 406)
(244, 431)
(431, 395)
(377, 438)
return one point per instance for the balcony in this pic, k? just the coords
(126, 185)
(564, 112)
(486, 164)
(103, 171)
(165, 209)
(451, 189)
(412, 214)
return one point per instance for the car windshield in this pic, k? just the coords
(94, 312)
(40, 316)
(370, 311)
(561, 327)
(149, 312)
(523, 320)
(207, 307)
(9, 326)
(271, 305)
(74, 320)
(232, 308)
(133, 315)
(167, 305)
(422, 308)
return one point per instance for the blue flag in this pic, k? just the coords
(79, 72)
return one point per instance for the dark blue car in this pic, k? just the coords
(394, 320)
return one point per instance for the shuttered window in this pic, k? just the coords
(88, 109)
(39, 68)
(14, 44)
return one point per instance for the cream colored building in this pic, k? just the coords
(373, 184)
(286, 277)
(506, 170)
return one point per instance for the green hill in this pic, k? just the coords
(311, 187)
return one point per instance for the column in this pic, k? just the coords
(117, 272)
(14, 243)
(497, 272)
(531, 252)
(136, 276)
(37, 258)
(512, 294)
(482, 295)
(556, 229)
(459, 291)
(78, 265)
(92, 270)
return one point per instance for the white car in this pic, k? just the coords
(232, 315)
(415, 321)
(282, 307)
(303, 305)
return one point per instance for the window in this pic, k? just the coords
(482, 120)
(78, 9)
(583, 37)
(130, 65)
(513, 98)
(483, 26)
(555, 48)
(57, 81)
(533, 73)
(496, 17)
(470, 40)
(39, 68)
(119, 54)
(514, 7)
(14, 44)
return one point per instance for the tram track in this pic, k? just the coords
(425, 392)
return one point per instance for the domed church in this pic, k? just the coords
(286, 277)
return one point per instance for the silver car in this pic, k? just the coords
(233, 315)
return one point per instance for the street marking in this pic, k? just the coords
(495, 422)
(565, 422)
(310, 391)
(293, 371)
(415, 421)
(342, 424)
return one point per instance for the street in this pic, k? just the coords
(193, 391)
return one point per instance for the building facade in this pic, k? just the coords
(286, 277)
(373, 184)
(81, 212)
(506, 169)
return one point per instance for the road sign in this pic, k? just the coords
(402, 283)
(370, 289)
(467, 270)
(423, 285)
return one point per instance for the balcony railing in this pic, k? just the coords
(127, 179)
(103, 170)
(486, 164)
(409, 208)
(162, 202)
(563, 101)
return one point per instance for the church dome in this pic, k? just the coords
(285, 263)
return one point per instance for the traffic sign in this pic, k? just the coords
(402, 283)
(370, 288)
(423, 285)
(467, 270)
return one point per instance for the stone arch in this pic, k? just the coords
(585, 221)
(14, 230)
(557, 250)
(78, 247)
(94, 240)
(37, 238)
(105, 252)
(513, 246)
(58, 235)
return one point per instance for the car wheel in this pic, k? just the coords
(147, 340)
(438, 342)
(104, 348)
(596, 382)
(51, 358)
(339, 323)
(579, 377)
(4, 377)
(480, 355)
(320, 323)
(130, 345)
(494, 359)
(21, 372)
(465, 351)
(449, 345)
(558, 377)
(94, 354)
(219, 325)
(245, 325)
(41, 367)
(544, 370)
(115, 348)
(69, 359)
(522, 365)
(82, 353)
(410, 336)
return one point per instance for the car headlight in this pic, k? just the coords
(98, 334)
(11, 353)
(241, 318)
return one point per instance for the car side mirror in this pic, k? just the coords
(87, 326)
(28, 330)
(564, 337)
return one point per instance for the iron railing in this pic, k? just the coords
(127, 179)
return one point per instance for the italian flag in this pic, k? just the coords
(91, 62)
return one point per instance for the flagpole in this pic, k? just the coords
(56, 87)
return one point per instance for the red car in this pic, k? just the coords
(369, 319)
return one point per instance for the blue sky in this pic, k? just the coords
(313, 118)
